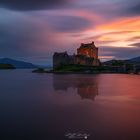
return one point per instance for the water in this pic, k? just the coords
(75, 106)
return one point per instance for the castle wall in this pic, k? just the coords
(60, 59)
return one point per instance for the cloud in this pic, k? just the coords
(36, 28)
(122, 24)
(110, 9)
(119, 52)
(25, 5)
(69, 23)
(135, 44)
(135, 38)
(25, 36)
(22, 35)
(110, 36)
(132, 8)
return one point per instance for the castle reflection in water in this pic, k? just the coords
(86, 87)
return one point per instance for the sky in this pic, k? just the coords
(32, 30)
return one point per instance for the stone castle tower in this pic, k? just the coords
(88, 50)
(87, 54)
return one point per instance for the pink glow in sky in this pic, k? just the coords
(34, 30)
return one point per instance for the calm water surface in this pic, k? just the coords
(55, 107)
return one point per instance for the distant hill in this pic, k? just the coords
(135, 60)
(17, 64)
(114, 62)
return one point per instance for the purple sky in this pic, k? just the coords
(32, 30)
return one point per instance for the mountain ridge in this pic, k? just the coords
(17, 64)
(135, 60)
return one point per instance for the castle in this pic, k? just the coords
(87, 54)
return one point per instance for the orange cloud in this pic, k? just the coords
(118, 33)
(124, 24)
